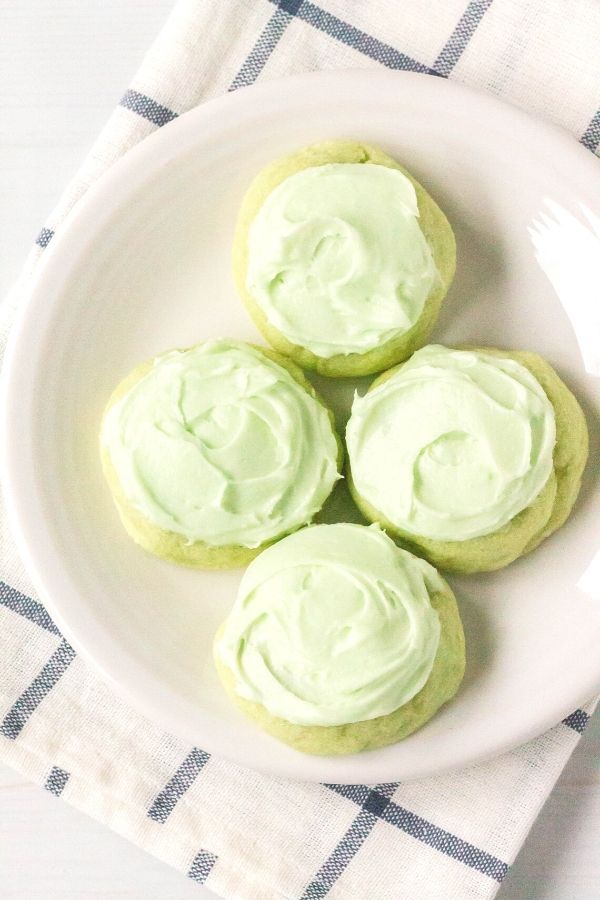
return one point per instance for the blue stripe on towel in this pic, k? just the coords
(577, 721)
(347, 848)
(202, 866)
(376, 804)
(359, 40)
(147, 108)
(56, 781)
(26, 607)
(44, 237)
(166, 801)
(591, 136)
(266, 43)
(17, 717)
(459, 40)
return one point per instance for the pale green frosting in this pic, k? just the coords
(332, 625)
(221, 445)
(337, 260)
(453, 445)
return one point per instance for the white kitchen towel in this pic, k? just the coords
(245, 835)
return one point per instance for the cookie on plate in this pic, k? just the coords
(213, 453)
(342, 258)
(339, 641)
(470, 457)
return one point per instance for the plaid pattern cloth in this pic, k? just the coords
(243, 834)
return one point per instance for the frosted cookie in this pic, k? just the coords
(339, 641)
(342, 258)
(470, 457)
(214, 452)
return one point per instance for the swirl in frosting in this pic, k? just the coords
(453, 445)
(221, 445)
(334, 624)
(336, 258)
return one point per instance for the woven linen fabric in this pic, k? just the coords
(246, 835)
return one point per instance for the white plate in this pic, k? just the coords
(143, 266)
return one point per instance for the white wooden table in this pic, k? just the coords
(63, 66)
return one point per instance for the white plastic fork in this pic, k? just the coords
(568, 251)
